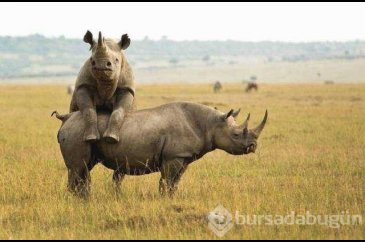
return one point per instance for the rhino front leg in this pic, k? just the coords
(124, 103)
(171, 173)
(88, 111)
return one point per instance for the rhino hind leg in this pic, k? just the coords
(118, 177)
(78, 158)
(171, 173)
(79, 182)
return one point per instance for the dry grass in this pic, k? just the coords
(311, 157)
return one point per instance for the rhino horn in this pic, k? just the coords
(245, 124)
(261, 126)
(100, 40)
(236, 113)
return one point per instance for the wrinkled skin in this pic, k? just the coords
(165, 139)
(105, 82)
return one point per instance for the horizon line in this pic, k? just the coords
(166, 38)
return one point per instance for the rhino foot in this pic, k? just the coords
(92, 136)
(111, 138)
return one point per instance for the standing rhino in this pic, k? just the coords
(165, 139)
(105, 82)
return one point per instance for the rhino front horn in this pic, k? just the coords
(259, 128)
(100, 40)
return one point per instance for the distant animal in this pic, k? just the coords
(70, 89)
(217, 87)
(105, 82)
(165, 139)
(329, 82)
(252, 86)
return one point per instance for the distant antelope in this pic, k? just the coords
(70, 89)
(252, 86)
(217, 87)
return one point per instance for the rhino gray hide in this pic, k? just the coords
(165, 139)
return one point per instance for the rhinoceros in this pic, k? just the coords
(105, 81)
(164, 139)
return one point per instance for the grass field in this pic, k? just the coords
(311, 157)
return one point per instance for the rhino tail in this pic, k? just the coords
(62, 117)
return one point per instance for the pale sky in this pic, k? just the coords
(189, 21)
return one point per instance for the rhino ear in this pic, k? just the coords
(124, 42)
(88, 38)
(225, 116)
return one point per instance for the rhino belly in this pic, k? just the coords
(131, 157)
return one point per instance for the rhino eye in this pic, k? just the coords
(117, 60)
(93, 63)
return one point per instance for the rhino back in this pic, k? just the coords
(166, 132)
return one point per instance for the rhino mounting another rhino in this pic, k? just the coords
(165, 139)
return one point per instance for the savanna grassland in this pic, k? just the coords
(311, 157)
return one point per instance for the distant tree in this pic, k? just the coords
(206, 58)
(174, 61)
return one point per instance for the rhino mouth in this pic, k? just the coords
(249, 149)
(102, 69)
(103, 74)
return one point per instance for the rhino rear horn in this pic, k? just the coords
(245, 124)
(261, 126)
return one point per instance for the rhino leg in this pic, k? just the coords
(88, 111)
(171, 173)
(118, 177)
(124, 103)
(79, 182)
(78, 158)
